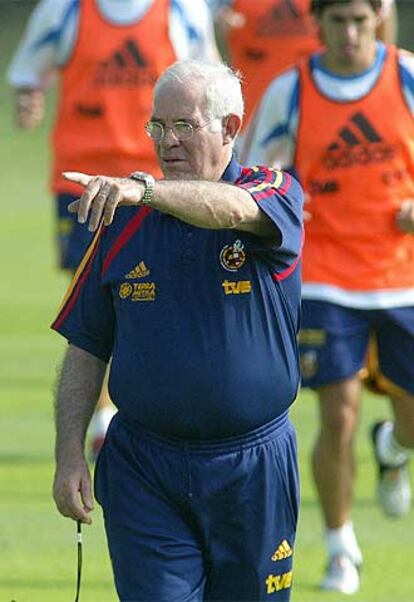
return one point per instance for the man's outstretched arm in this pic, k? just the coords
(206, 204)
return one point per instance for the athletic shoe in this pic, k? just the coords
(393, 486)
(342, 575)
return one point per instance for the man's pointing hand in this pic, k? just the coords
(101, 197)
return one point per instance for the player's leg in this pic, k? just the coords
(403, 432)
(333, 344)
(392, 441)
(392, 369)
(154, 552)
(333, 455)
(334, 472)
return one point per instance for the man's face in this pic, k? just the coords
(348, 32)
(201, 157)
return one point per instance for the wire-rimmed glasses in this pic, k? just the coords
(182, 130)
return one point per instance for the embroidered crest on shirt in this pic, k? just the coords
(139, 271)
(233, 257)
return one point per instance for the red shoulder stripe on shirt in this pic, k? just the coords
(78, 279)
(286, 273)
(132, 226)
(257, 185)
(274, 180)
(287, 181)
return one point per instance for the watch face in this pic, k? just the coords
(148, 180)
(139, 175)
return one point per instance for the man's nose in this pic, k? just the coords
(351, 31)
(169, 139)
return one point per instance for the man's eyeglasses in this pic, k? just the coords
(182, 130)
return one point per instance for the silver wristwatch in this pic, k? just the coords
(149, 182)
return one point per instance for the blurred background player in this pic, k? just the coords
(261, 38)
(108, 55)
(343, 119)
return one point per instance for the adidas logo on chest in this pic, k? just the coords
(126, 67)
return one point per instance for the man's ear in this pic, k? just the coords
(231, 128)
(316, 20)
(379, 23)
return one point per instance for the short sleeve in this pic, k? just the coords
(280, 197)
(86, 317)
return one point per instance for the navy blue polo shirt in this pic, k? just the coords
(201, 324)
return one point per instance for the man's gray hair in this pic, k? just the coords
(223, 95)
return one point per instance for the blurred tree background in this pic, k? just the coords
(13, 13)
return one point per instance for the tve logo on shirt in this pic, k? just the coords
(126, 67)
(275, 583)
(238, 287)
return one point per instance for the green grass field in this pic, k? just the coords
(37, 546)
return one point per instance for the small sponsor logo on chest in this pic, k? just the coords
(139, 271)
(138, 291)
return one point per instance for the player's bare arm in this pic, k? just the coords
(29, 108)
(212, 205)
(405, 216)
(227, 18)
(79, 387)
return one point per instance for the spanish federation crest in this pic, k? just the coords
(233, 257)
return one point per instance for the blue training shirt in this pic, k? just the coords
(201, 324)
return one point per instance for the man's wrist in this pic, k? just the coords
(149, 183)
